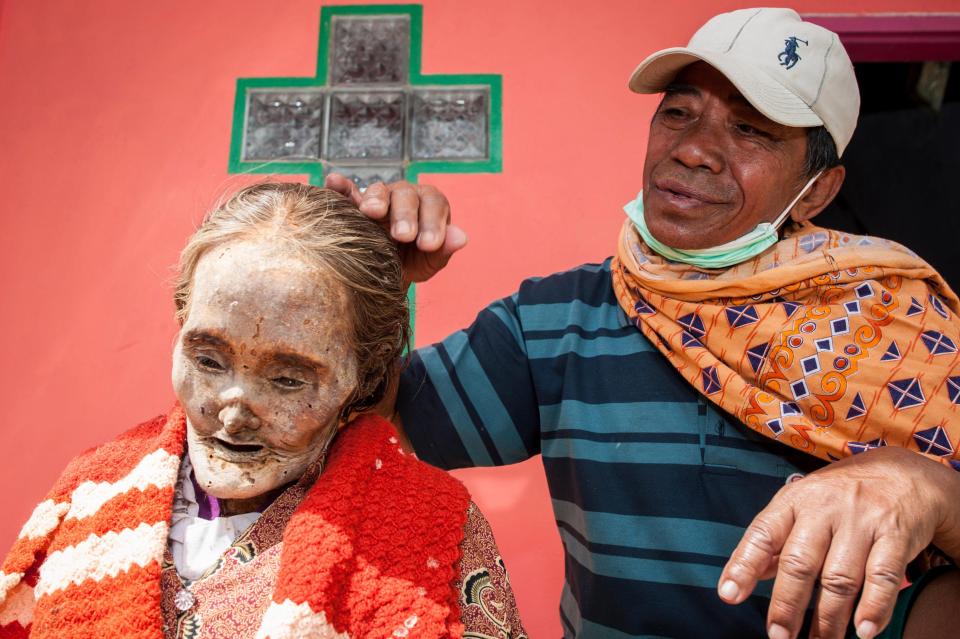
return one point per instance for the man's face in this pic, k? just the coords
(715, 166)
(262, 367)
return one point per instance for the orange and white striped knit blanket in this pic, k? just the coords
(372, 550)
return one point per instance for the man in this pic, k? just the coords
(653, 474)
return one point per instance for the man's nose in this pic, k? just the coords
(700, 146)
(236, 415)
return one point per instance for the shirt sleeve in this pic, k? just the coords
(487, 604)
(470, 400)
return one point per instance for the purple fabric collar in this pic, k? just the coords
(209, 506)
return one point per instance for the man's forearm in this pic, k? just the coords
(947, 535)
(934, 612)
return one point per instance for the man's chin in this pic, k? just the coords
(683, 228)
(677, 235)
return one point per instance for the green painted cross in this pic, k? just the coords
(368, 113)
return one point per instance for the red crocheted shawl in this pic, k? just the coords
(372, 551)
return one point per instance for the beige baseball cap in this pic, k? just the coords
(794, 72)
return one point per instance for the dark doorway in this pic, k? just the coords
(903, 163)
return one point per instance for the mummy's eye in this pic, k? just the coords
(288, 383)
(208, 363)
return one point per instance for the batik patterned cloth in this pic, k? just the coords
(829, 342)
(229, 597)
(371, 550)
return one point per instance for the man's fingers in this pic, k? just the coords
(800, 562)
(434, 215)
(886, 567)
(454, 240)
(344, 186)
(416, 217)
(840, 582)
(762, 541)
(431, 263)
(404, 213)
(771, 570)
(375, 201)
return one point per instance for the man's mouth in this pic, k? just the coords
(679, 192)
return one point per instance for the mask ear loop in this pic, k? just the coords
(777, 223)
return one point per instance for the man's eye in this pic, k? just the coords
(288, 383)
(208, 363)
(750, 130)
(673, 112)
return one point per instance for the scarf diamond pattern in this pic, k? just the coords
(828, 342)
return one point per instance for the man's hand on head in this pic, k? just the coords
(852, 525)
(417, 218)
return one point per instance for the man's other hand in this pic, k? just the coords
(852, 525)
(417, 218)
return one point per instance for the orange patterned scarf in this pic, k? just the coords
(829, 342)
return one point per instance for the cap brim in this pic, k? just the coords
(768, 96)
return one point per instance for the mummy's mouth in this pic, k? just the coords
(239, 448)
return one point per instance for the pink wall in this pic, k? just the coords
(115, 127)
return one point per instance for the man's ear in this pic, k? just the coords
(821, 193)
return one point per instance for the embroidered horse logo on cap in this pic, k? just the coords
(789, 56)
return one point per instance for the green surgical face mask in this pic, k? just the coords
(749, 245)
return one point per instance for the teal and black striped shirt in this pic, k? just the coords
(652, 486)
